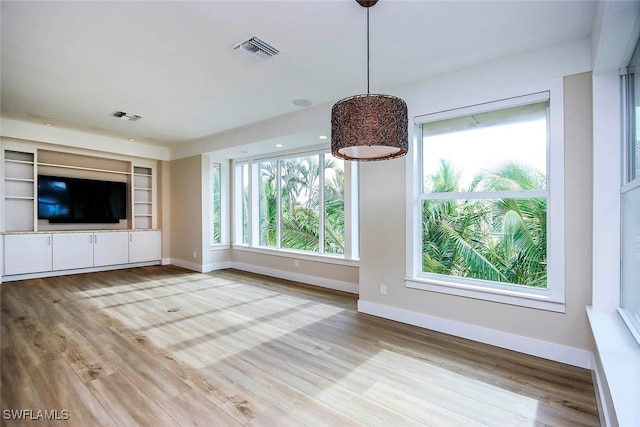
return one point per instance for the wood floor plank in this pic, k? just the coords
(274, 417)
(127, 404)
(61, 390)
(18, 390)
(193, 409)
(245, 349)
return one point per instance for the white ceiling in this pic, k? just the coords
(75, 63)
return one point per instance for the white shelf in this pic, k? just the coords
(19, 179)
(20, 162)
(82, 168)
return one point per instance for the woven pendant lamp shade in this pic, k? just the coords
(370, 126)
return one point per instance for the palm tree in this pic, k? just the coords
(300, 204)
(500, 240)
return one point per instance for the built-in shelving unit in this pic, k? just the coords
(32, 247)
(142, 197)
(23, 164)
(19, 190)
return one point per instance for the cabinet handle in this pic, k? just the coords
(90, 238)
(130, 237)
(49, 241)
(95, 238)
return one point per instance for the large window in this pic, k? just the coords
(630, 224)
(483, 200)
(293, 203)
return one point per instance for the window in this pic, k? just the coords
(630, 221)
(298, 204)
(482, 211)
(216, 198)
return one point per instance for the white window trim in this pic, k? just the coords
(550, 299)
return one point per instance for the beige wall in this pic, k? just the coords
(164, 206)
(383, 245)
(186, 209)
(325, 272)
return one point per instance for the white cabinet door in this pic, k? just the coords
(145, 246)
(72, 250)
(27, 253)
(110, 248)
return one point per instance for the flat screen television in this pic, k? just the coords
(74, 200)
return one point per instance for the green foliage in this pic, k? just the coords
(300, 205)
(217, 214)
(503, 240)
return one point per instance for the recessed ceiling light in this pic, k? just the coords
(279, 145)
(48, 124)
(302, 102)
(132, 139)
(323, 137)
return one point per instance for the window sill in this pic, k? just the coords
(219, 246)
(329, 259)
(503, 296)
(619, 357)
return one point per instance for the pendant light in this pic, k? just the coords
(370, 126)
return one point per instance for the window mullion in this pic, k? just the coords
(279, 204)
(321, 244)
(254, 204)
(480, 195)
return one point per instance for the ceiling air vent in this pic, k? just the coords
(256, 49)
(126, 116)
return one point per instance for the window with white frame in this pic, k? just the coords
(216, 201)
(630, 199)
(294, 202)
(483, 211)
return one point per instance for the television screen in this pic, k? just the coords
(73, 200)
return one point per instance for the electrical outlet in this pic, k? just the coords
(194, 255)
(296, 263)
(383, 289)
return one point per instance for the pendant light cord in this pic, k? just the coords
(367, 51)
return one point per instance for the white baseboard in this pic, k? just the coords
(272, 272)
(200, 268)
(547, 350)
(213, 266)
(43, 274)
(187, 264)
(297, 277)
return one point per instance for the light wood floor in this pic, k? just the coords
(249, 350)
